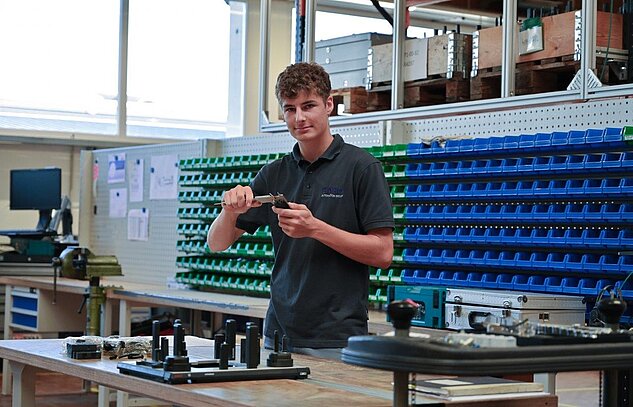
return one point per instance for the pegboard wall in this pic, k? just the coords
(367, 135)
(146, 262)
(562, 117)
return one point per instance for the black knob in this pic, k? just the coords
(401, 313)
(612, 309)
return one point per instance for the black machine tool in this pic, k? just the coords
(545, 348)
(180, 367)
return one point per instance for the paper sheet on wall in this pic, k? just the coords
(163, 177)
(118, 202)
(138, 224)
(116, 168)
(135, 181)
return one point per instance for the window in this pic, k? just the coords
(60, 66)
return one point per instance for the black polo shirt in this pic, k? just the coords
(318, 296)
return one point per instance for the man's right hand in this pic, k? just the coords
(239, 200)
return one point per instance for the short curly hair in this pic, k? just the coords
(303, 76)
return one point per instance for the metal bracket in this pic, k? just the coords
(592, 81)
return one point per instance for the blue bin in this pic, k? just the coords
(410, 255)
(451, 167)
(451, 190)
(413, 149)
(591, 263)
(556, 236)
(506, 259)
(504, 281)
(609, 212)
(612, 160)
(511, 142)
(611, 185)
(542, 163)
(558, 162)
(446, 277)
(477, 256)
(559, 138)
(474, 279)
(496, 143)
(494, 166)
(576, 137)
(494, 189)
(479, 166)
(543, 140)
(539, 260)
(527, 141)
(541, 187)
(434, 277)
(452, 146)
(626, 186)
(540, 236)
(466, 145)
(525, 164)
(437, 147)
(411, 233)
(553, 284)
(594, 160)
(408, 276)
(573, 262)
(481, 144)
(523, 236)
(556, 260)
(594, 135)
(509, 165)
(451, 211)
(411, 170)
(626, 212)
(574, 211)
(570, 285)
(610, 263)
(626, 264)
(610, 238)
(626, 238)
(575, 186)
(593, 186)
(523, 259)
(574, 237)
(438, 168)
(520, 282)
(477, 235)
(576, 162)
(465, 167)
(536, 283)
(450, 235)
(612, 134)
(489, 280)
(540, 211)
(558, 187)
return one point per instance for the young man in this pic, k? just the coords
(340, 221)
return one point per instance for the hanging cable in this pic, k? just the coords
(382, 11)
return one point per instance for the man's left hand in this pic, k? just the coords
(296, 222)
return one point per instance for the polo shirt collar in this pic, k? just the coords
(332, 151)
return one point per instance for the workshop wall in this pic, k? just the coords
(14, 156)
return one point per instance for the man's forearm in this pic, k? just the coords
(223, 232)
(374, 249)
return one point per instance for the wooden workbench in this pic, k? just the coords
(331, 383)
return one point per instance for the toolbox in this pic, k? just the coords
(468, 309)
(430, 303)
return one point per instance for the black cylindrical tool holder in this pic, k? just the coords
(252, 346)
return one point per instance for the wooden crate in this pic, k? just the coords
(354, 100)
(558, 39)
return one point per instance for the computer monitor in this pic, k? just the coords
(36, 189)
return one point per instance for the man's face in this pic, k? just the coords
(307, 115)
